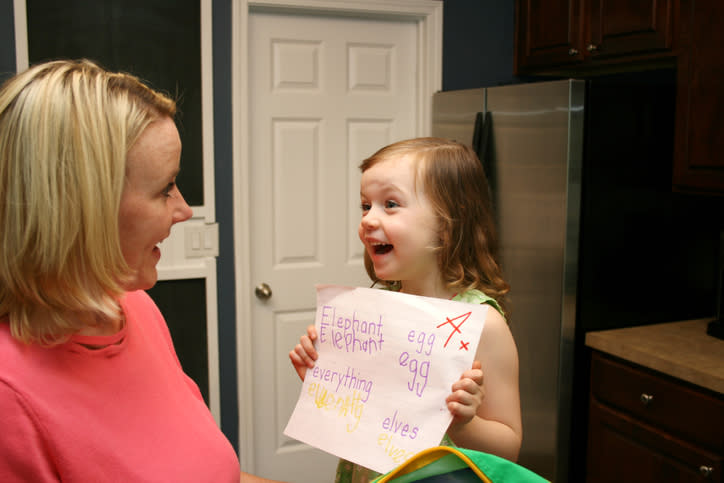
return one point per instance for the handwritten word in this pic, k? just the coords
(344, 405)
(456, 328)
(350, 334)
(418, 369)
(350, 380)
(421, 341)
(397, 454)
(393, 425)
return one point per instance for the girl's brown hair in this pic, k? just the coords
(452, 177)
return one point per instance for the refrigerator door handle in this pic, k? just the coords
(481, 138)
(478, 132)
(481, 141)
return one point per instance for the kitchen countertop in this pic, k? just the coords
(679, 349)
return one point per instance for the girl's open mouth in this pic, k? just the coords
(382, 248)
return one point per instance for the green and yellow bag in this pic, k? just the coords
(446, 464)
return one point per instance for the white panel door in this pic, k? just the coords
(325, 93)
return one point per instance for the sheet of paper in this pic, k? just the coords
(387, 361)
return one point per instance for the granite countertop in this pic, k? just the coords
(679, 349)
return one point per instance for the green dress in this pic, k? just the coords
(348, 472)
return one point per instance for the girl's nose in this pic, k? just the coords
(370, 222)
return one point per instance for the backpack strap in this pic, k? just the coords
(441, 460)
(431, 462)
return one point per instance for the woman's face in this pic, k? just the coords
(151, 202)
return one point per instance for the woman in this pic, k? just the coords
(90, 385)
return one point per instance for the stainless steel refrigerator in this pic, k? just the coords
(589, 231)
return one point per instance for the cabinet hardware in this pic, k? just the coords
(706, 470)
(646, 399)
(572, 51)
(592, 47)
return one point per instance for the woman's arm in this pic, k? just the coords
(247, 478)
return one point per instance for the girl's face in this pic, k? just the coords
(398, 226)
(151, 202)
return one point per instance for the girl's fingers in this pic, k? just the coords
(307, 346)
(304, 355)
(475, 375)
(473, 383)
(298, 364)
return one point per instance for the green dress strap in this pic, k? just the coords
(475, 296)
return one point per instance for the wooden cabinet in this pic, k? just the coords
(648, 427)
(699, 137)
(548, 34)
(626, 28)
(558, 34)
(579, 38)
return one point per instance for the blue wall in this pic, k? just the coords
(478, 39)
(223, 170)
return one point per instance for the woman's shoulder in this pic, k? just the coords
(140, 297)
(140, 309)
(139, 303)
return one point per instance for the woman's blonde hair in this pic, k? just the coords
(452, 177)
(65, 130)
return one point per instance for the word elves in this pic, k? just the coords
(397, 453)
(392, 425)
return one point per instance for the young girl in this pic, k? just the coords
(428, 230)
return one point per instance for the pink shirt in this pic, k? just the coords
(124, 413)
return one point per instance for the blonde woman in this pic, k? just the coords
(90, 385)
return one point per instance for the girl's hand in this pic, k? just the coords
(304, 353)
(467, 395)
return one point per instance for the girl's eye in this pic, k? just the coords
(391, 204)
(365, 207)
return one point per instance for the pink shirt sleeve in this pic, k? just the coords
(23, 454)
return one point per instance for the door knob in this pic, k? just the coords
(263, 291)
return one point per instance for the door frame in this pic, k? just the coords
(427, 14)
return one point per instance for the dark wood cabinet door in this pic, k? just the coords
(656, 400)
(699, 142)
(558, 35)
(644, 427)
(548, 33)
(623, 450)
(623, 27)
